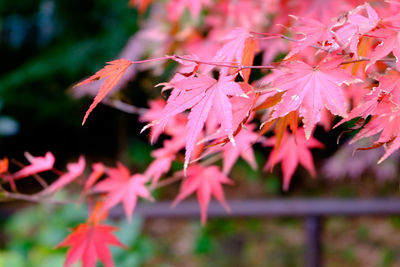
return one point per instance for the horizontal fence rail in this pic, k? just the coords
(270, 208)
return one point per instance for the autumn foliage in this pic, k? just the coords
(340, 60)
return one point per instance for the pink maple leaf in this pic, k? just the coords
(202, 94)
(74, 171)
(233, 50)
(357, 25)
(38, 164)
(163, 158)
(89, 242)
(244, 140)
(294, 149)
(388, 126)
(206, 181)
(380, 100)
(390, 42)
(315, 33)
(311, 89)
(121, 186)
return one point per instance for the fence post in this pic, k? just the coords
(313, 230)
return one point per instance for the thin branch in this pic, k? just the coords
(6, 196)
(56, 171)
(361, 59)
(285, 37)
(152, 60)
(124, 107)
(37, 177)
(167, 181)
(224, 64)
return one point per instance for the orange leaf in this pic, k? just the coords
(270, 101)
(3, 165)
(265, 126)
(293, 121)
(250, 47)
(113, 73)
(377, 144)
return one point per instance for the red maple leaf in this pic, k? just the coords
(311, 89)
(74, 171)
(38, 164)
(123, 187)
(294, 149)
(206, 181)
(113, 73)
(89, 242)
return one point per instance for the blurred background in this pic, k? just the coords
(46, 46)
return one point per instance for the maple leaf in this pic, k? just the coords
(89, 242)
(357, 25)
(390, 42)
(244, 141)
(215, 99)
(38, 164)
(206, 181)
(250, 49)
(315, 33)
(3, 165)
(294, 149)
(234, 50)
(121, 186)
(113, 73)
(202, 94)
(382, 99)
(311, 89)
(174, 125)
(163, 159)
(388, 126)
(74, 171)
